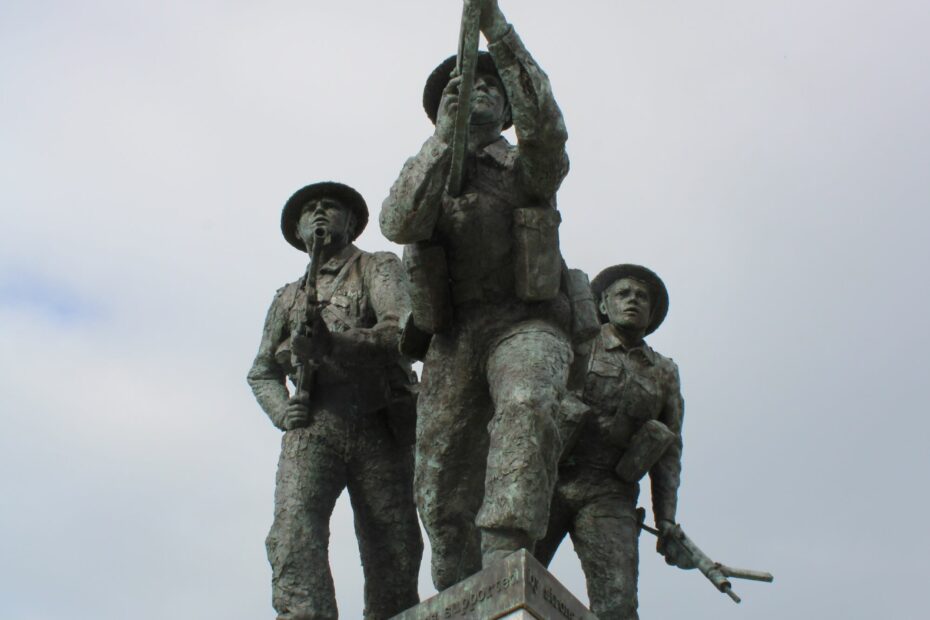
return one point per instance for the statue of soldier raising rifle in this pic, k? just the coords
(487, 283)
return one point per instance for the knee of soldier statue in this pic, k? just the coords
(498, 543)
(540, 400)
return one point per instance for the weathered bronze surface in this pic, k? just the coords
(516, 587)
(495, 374)
(541, 406)
(634, 427)
(350, 423)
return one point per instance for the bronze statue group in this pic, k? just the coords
(540, 407)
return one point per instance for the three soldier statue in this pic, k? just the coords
(540, 406)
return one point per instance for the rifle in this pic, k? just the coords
(465, 65)
(306, 370)
(716, 572)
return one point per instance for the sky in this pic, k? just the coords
(769, 159)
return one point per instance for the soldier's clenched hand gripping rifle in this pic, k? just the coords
(465, 64)
(717, 573)
(305, 368)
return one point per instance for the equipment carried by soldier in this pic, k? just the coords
(430, 299)
(585, 322)
(646, 447)
(717, 573)
(536, 257)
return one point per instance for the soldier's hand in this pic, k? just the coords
(448, 109)
(321, 337)
(311, 313)
(314, 346)
(302, 346)
(297, 414)
(674, 553)
(493, 23)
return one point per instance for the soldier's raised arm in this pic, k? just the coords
(542, 162)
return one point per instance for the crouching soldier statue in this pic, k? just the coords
(633, 428)
(350, 421)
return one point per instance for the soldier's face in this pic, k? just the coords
(328, 214)
(488, 100)
(628, 304)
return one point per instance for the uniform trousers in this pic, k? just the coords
(487, 439)
(598, 511)
(316, 464)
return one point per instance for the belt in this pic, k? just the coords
(497, 286)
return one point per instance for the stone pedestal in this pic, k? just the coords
(517, 588)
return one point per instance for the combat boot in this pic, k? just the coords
(497, 544)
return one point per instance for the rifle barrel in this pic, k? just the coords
(715, 572)
(305, 374)
(732, 595)
(465, 67)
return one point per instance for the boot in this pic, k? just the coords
(497, 544)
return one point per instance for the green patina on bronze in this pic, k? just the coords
(495, 373)
(351, 424)
(541, 406)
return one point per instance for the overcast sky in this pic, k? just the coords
(769, 159)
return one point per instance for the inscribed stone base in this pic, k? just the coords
(516, 588)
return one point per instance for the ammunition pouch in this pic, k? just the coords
(401, 411)
(537, 260)
(430, 297)
(645, 449)
(585, 322)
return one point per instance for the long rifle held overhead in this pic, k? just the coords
(465, 65)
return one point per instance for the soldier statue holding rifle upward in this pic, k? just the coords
(479, 220)
(540, 408)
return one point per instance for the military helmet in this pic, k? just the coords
(343, 194)
(604, 279)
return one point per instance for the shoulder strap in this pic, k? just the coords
(342, 275)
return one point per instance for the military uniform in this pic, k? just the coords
(349, 442)
(487, 442)
(624, 388)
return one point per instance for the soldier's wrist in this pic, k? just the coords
(664, 523)
(497, 29)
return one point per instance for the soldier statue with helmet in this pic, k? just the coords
(349, 423)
